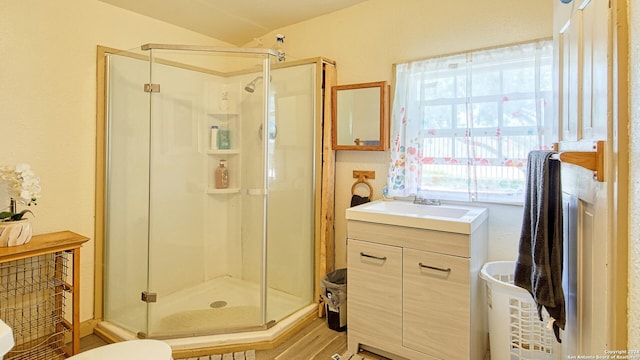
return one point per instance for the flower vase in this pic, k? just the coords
(13, 233)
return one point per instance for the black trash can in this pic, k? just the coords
(334, 293)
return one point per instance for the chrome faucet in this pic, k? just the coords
(422, 199)
(425, 201)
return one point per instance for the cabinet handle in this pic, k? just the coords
(447, 270)
(373, 257)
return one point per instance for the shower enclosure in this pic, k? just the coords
(182, 257)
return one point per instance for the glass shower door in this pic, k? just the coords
(206, 242)
(126, 200)
(291, 174)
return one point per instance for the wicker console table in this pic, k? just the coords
(36, 281)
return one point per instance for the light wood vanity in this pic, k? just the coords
(414, 293)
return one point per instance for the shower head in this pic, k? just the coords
(251, 87)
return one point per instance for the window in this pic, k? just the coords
(463, 125)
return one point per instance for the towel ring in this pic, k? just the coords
(361, 180)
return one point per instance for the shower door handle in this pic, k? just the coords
(257, 192)
(275, 132)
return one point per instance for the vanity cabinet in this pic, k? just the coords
(415, 293)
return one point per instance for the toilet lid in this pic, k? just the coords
(128, 350)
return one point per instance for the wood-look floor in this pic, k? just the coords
(315, 342)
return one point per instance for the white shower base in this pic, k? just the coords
(221, 340)
(237, 305)
(188, 312)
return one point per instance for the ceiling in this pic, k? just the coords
(237, 22)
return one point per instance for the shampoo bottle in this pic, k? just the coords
(222, 175)
(214, 138)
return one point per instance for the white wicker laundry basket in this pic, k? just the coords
(515, 331)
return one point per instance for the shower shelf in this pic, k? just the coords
(224, 152)
(223, 191)
(227, 116)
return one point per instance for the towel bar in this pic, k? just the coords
(362, 176)
(592, 160)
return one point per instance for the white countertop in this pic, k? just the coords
(450, 218)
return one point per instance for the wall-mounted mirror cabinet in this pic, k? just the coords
(360, 116)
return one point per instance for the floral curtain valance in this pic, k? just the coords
(462, 125)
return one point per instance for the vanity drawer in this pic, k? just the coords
(421, 239)
(374, 294)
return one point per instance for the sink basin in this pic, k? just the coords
(450, 218)
(411, 209)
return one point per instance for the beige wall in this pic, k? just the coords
(48, 97)
(367, 39)
(47, 86)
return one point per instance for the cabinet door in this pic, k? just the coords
(374, 295)
(436, 309)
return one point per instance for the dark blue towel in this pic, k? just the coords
(539, 265)
(359, 200)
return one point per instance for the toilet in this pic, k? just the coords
(6, 339)
(128, 350)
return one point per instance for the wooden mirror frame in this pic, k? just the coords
(383, 122)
